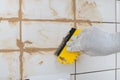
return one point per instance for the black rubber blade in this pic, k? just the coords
(65, 40)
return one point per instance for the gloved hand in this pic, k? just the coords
(95, 42)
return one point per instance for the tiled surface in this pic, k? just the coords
(51, 77)
(72, 77)
(118, 74)
(46, 22)
(9, 32)
(44, 63)
(103, 26)
(45, 34)
(9, 8)
(108, 75)
(9, 66)
(96, 10)
(86, 63)
(47, 9)
(118, 55)
(118, 11)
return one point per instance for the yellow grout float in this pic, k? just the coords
(64, 56)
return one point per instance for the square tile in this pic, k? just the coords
(44, 34)
(72, 77)
(102, 26)
(118, 74)
(118, 27)
(118, 55)
(44, 63)
(9, 8)
(96, 10)
(118, 11)
(51, 77)
(108, 75)
(9, 32)
(47, 9)
(9, 66)
(87, 63)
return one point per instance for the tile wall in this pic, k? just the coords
(32, 30)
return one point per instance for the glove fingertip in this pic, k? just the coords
(69, 43)
(73, 38)
(69, 49)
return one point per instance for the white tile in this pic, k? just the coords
(44, 34)
(45, 64)
(47, 9)
(87, 63)
(96, 10)
(118, 11)
(103, 26)
(9, 8)
(118, 55)
(51, 77)
(118, 74)
(72, 77)
(108, 75)
(118, 27)
(9, 32)
(9, 66)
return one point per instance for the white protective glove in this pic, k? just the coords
(95, 42)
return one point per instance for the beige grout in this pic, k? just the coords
(74, 13)
(9, 50)
(75, 25)
(21, 44)
(49, 20)
(15, 19)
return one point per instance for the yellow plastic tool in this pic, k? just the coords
(64, 56)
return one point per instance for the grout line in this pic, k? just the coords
(26, 49)
(116, 31)
(49, 20)
(94, 71)
(15, 19)
(21, 44)
(67, 20)
(75, 70)
(29, 49)
(9, 50)
(74, 14)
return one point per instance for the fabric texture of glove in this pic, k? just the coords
(95, 42)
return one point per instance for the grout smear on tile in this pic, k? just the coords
(8, 50)
(27, 42)
(13, 21)
(19, 43)
(88, 10)
(41, 62)
(33, 50)
(11, 66)
(53, 11)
